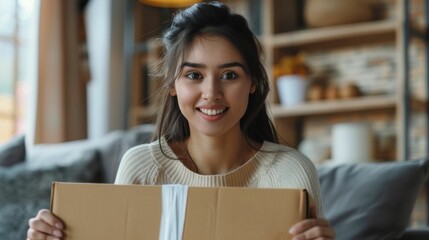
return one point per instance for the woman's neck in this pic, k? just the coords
(212, 155)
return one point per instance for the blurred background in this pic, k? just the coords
(348, 77)
(83, 68)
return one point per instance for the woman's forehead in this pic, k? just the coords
(212, 49)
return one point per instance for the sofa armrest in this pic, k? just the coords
(416, 234)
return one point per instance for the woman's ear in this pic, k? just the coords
(173, 92)
(252, 88)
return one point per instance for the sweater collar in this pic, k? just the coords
(178, 173)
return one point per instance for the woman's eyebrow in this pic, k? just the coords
(232, 64)
(194, 65)
(225, 65)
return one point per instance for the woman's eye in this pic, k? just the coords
(229, 76)
(193, 75)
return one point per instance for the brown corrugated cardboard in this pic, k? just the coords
(127, 212)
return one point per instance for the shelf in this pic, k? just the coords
(335, 106)
(316, 35)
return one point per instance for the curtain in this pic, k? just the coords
(63, 73)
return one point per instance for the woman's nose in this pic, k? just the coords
(211, 89)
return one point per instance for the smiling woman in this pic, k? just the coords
(213, 128)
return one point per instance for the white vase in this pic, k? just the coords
(292, 89)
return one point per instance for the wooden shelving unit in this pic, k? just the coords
(289, 120)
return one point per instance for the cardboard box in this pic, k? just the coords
(126, 212)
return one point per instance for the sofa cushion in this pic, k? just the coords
(25, 188)
(371, 200)
(12, 152)
(111, 147)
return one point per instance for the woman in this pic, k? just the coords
(213, 128)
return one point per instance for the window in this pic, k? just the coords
(14, 32)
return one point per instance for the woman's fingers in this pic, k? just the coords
(312, 229)
(308, 224)
(49, 218)
(36, 235)
(41, 230)
(316, 233)
(45, 226)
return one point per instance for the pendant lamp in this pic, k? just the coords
(170, 3)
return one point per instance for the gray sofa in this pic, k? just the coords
(365, 201)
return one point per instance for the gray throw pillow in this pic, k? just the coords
(371, 201)
(25, 189)
(12, 152)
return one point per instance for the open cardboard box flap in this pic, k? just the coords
(108, 211)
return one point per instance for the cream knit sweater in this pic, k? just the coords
(273, 166)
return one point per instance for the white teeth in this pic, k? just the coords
(212, 112)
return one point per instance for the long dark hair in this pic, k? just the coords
(212, 18)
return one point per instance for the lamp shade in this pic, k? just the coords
(170, 3)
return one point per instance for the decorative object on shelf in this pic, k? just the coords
(317, 92)
(352, 142)
(170, 3)
(319, 81)
(321, 13)
(349, 90)
(291, 75)
(331, 92)
(291, 65)
(292, 89)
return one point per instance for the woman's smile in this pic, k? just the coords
(212, 115)
(212, 112)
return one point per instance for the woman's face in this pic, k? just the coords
(213, 87)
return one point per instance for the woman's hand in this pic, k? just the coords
(45, 226)
(313, 228)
